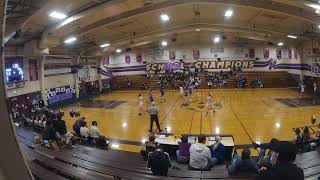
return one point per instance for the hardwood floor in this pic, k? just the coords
(247, 114)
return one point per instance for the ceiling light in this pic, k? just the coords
(280, 44)
(277, 125)
(314, 6)
(216, 39)
(217, 130)
(197, 29)
(317, 11)
(118, 50)
(70, 40)
(164, 43)
(124, 125)
(228, 13)
(165, 17)
(293, 37)
(57, 15)
(105, 45)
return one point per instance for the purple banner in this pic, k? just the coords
(266, 53)
(279, 53)
(290, 54)
(196, 54)
(296, 54)
(252, 53)
(105, 60)
(139, 58)
(172, 55)
(127, 58)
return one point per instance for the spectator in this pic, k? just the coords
(94, 130)
(183, 154)
(77, 125)
(150, 146)
(49, 132)
(217, 152)
(62, 133)
(200, 156)
(245, 164)
(306, 138)
(159, 162)
(84, 131)
(269, 159)
(284, 167)
(298, 141)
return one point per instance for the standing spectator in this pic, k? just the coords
(153, 112)
(217, 152)
(245, 164)
(94, 130)
(284, 167)
(200, 157)
(183, 154)
(77, 125)
(159, 162)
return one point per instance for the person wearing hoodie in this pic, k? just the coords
(200, 156)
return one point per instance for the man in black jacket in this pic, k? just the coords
(159, 162)
(284, 167)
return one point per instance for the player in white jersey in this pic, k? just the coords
(210, 104)
(302, 87)
(140, 104)
(181, 91)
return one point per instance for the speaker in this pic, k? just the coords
(270, 43)
(219, 59)
(128, 49)
(144, 62)
(257, 58)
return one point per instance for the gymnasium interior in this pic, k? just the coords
(160, 89)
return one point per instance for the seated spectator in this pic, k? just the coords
(217, 152)
(269, 159)
(159, 162)
(49, 132)
(94, 130)
(298, 141)
(284, 167)
(77, 125)
(245, 164)
(183, 154)
(84, 131)
(306, 138)
(200, 156)
(62, 133)
(150, 146)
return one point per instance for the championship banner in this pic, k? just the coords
(139, 58)
(295, 54)
(266, 53)
(252, 53)
(127, 58)
(196, 54)
(60, 94)
(105, 60)
(279, 53)
(225, 64)
(172, 55)
(290, 54)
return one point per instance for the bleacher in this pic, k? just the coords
(274, 79)
(88, 163)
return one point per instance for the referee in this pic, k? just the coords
(153, 111)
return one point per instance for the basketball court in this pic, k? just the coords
(248, 114)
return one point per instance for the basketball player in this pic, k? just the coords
(150, 96)
(210, 104)
(162, 99)
(140, 103)
(181, 91)
(302, 86)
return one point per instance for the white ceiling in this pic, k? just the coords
(130, 23)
